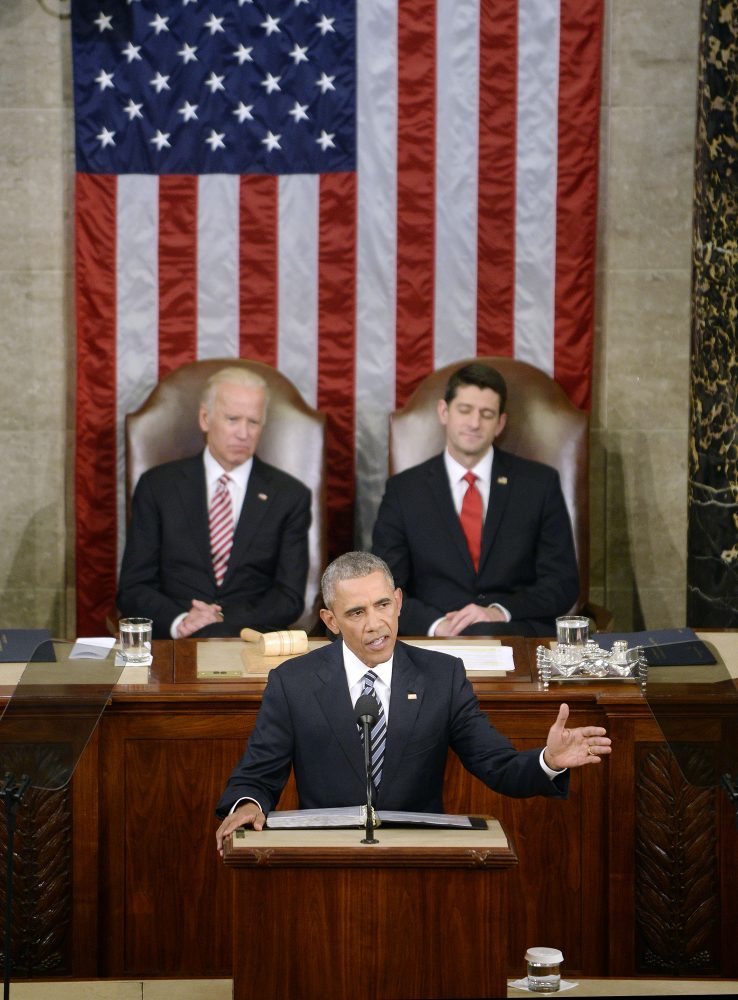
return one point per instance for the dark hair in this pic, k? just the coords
(481, 376)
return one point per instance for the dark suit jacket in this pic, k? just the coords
(527, 562)
(167, 560)
(307, 720)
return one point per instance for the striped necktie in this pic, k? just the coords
(221, 528)
(379, 730)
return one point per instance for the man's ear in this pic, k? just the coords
(329, 619)
(442, 410)
(501, 425)
(202, 418)
(398, 598)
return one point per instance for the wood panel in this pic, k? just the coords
(670, 897)
(164, 880)
(559, 846)
(352, 928)
(149, 896)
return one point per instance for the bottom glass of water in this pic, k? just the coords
(544, 969)
(135, 639)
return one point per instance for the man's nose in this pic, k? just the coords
(372, 619)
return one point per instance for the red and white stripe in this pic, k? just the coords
(468, 228)
(221, 528)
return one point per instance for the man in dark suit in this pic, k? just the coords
(307, 718)
(479, 540)
(218, 542)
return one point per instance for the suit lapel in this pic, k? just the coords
(440, 490)
(258, 499)
(332, 694)
(193, 497)
(404, 708)
(498, 496)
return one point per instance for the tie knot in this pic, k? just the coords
(369, 678)
(470, 478)
(223, 481)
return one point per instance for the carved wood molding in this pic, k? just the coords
(42, 877)
(676, 878)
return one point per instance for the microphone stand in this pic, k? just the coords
(12, 792)
(367, 712)
(369, 837)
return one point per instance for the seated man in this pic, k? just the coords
(218, 542)
(479, 540)
(307, 719)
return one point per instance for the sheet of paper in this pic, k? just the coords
(478, 656)
(94, 648)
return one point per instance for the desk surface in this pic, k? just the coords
(413, 847)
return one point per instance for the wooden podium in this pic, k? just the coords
(321, 916)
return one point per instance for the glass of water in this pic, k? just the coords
(135, 639)
(572, 635)
(544, 969)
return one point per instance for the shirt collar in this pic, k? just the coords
(214, 470)
(482, 470)
(355, 669)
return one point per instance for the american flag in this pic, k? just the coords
(353, 191)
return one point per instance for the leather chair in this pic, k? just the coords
(542, 424)
(165, 427)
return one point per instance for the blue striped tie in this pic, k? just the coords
(379, 730)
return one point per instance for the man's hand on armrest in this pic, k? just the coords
(248, 814)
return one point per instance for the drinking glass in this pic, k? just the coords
(135, 639)
(572, 634)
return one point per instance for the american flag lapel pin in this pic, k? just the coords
(263, 496)
(412, 696)
(502, 480)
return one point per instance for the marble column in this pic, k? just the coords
(712, 558)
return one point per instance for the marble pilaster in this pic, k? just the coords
(712, 560)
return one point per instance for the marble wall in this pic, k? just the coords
(712, 536)
(640, 415)
(36, 323)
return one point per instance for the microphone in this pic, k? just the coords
(367, 713)
(367, 710)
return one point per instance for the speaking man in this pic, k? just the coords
(479, 540)
(307, 718)
(218, 542)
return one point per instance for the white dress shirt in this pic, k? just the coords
(355, 671)
(456, 472)
(239, 480)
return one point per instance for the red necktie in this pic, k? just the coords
(221, 528)
(471, 518)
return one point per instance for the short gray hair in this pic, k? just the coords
(351, 566)
(232, 376)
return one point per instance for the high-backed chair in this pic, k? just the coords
(165, 427)
(542, 424)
